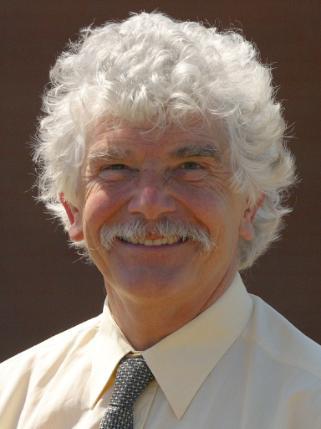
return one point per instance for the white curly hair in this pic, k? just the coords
(151, 68)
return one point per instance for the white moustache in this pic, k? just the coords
(167, 232)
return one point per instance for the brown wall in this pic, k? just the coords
(45, 288)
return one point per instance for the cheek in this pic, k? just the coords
(99, 206)
(206, 203)
(214, 209)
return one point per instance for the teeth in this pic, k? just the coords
(157, 242)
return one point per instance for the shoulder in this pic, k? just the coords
(23, 377)
(52, 350)
(283, 342)
(285, 366)
(62, 339)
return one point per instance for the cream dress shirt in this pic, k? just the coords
(238, 365)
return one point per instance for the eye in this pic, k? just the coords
(114, 167)
(191, 165)
(115, 172)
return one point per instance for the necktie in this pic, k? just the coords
(132, 376)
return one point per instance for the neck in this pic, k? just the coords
(145, 322)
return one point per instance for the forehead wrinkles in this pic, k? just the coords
(192, 127)
(121, 143)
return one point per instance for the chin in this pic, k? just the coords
(148, 284)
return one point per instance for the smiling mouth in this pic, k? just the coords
(154, 242)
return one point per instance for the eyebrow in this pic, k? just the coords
(108, 154)
(196, 151)
(188, 151)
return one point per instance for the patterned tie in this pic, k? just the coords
(132, 377)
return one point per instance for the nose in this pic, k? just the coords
(151, 200)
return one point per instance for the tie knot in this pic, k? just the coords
(132, 376)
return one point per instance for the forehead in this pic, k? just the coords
(173, 140)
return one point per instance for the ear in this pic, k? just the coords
(75, 229)
(246, 226)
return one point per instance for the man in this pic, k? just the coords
(161, 151)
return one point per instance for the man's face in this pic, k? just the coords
(177, 180)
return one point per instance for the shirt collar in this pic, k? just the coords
(200, 344)
(108, 348)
